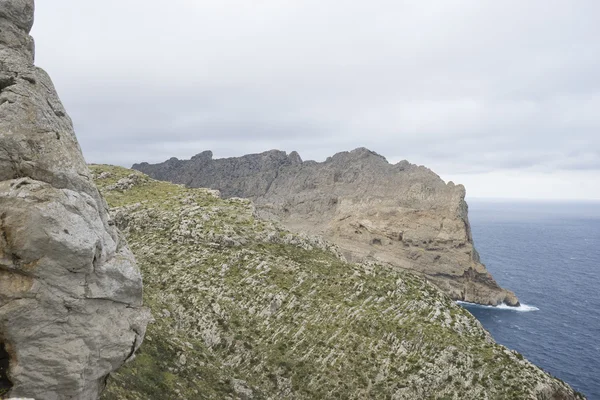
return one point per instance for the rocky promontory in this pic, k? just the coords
(399, 215)
(70, 291)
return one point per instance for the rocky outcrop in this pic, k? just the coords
(401, 215)
(70, 292)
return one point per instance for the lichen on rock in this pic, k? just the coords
(70, 291)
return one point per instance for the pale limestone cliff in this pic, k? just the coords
(399, 215)
(70, 291)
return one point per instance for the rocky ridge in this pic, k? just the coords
(70, 292)
(245, 309)
(399, 215)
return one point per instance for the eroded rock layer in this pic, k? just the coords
(70, 291)
(401, 215)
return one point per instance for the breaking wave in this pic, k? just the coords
(521, 308)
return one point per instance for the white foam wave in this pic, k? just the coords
(521, 308)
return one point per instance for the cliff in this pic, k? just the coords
(70, 291)
(399, 215)
(245, 309)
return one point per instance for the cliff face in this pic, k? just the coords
(400, 215)
(248, 310)
(70, 292)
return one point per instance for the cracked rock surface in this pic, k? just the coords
(70, 291)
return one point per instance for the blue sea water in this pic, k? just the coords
(549, 255)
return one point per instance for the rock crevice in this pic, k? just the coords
(5, 383)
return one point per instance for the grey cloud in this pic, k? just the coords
(464, 86)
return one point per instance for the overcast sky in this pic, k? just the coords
(502, 96)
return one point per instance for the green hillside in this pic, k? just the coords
(246, 310)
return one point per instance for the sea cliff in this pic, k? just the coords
(399, 215)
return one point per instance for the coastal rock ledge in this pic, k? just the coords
(399, 215)
(70, 291)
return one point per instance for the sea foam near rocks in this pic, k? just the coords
(520, 308)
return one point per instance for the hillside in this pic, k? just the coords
(244, 309)
(402, 215)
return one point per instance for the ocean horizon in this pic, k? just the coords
(548, 253)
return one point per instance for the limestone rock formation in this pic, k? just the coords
(401, 215)
(70, 291)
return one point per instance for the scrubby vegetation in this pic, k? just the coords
(244, 309)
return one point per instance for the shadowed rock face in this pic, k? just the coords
(70, 292)
(401, 215)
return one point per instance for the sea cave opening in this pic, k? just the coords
(5, 383)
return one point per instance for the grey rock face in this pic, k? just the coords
(250, 176)
(70, 292)
(401, 215)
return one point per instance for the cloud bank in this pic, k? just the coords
(476, 90)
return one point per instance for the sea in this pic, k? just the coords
(548, 253)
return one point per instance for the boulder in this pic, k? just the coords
(70, 291)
